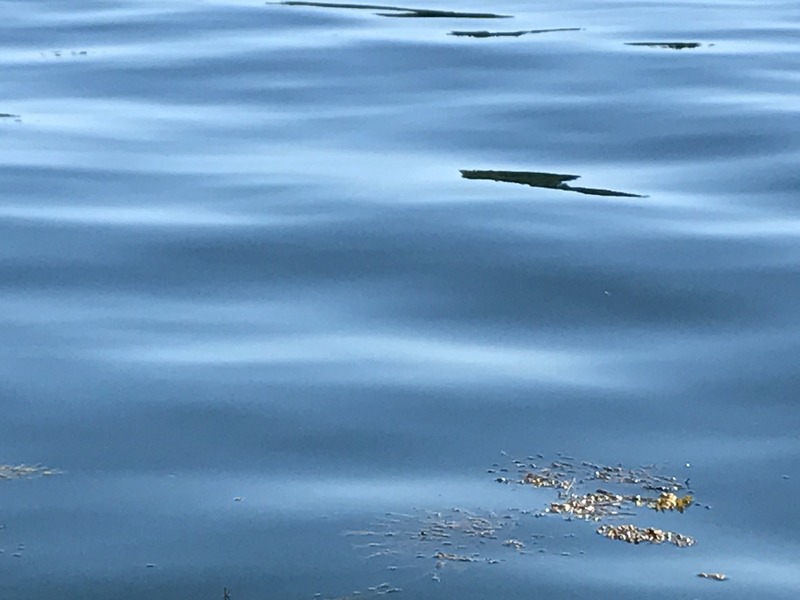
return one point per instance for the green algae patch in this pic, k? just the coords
(25, 471)
(497, 34)
(667, 45)
(399, 11)
(553, 181)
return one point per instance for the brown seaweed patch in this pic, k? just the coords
(638, 535)
(21, 471)
(593, 506)
(668, 45)
(491, 34)
(552, 181)
(399, 11)
(545, 479)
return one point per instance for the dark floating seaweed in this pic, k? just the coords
(490, 34)
(8, 116)
(670, 45)
(552, 181)
(399, 11)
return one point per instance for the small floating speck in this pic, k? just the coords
(714, 576)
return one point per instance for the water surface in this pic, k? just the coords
(239, 260)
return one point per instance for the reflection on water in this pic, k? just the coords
(669, 45)
(552, 181)
(398, 11)
(488, 34)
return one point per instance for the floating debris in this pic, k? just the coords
(370, 592)
(593, 506)
(20, 471)
(399, 11)
(643, 477)
(453, 557)
(565, 476)
(669, 45)
(461, 523)
(669, 501)
(714, 576)
(545, 479)
(8, 116)
(458, 536)
(638, 535)
(553, 181)
(491, 34)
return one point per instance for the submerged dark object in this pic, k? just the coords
(399, 11)
(552, 181)
(488, 34)
(670, 45)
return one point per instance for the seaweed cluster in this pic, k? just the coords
(567, 477)
(484, 537)
(639, 535)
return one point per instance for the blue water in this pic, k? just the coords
(248, 302)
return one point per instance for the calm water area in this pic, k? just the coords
(274, 273)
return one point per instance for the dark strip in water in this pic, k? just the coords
(399, 11)
(488, 34)
(8, 116)
(439, 14)
(552, 181)
(671, 45)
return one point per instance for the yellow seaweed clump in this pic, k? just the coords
(669, 501)
(637, 535)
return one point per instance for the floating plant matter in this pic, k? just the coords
(638, 535)
(20, 471)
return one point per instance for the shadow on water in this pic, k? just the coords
(489, 34)
(669, 45)
(399, 11)
(552, 181)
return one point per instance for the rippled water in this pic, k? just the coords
(331, 263)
